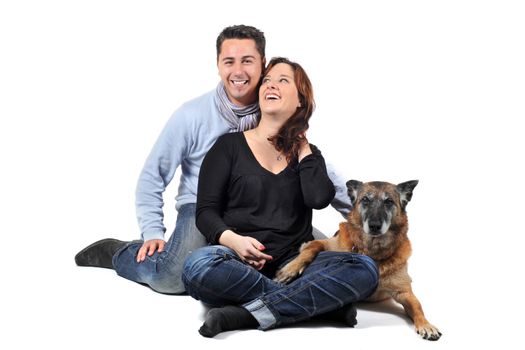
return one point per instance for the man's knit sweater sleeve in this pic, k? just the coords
(158, 171)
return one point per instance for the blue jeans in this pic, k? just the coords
(162, 271)
(216, 276)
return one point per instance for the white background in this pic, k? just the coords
(405, 90)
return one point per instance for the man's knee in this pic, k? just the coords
(171, 285)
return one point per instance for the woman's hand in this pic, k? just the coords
(248, 249)
(305, 149)
(149, 247)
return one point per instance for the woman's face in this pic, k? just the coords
(278, 94)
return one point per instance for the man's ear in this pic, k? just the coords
(405, 191)
(353, 187)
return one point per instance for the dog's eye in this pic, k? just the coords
(365, 201)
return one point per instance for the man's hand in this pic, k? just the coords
(149, 247)
(248, 249)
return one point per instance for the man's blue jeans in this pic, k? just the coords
(162, 271)
(216, 276)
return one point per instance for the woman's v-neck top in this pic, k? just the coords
(236, 192)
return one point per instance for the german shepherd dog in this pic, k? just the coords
(377, 226)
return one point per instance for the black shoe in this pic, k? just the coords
(99, 254)
(347, 315)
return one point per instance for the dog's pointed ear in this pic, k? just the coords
(353, 187)
(405, 190)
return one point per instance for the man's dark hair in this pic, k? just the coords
(242, 32)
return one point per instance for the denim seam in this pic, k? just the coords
(319, 310)
(307, 285)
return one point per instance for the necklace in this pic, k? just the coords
(259, 139)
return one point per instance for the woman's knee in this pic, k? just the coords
(204, 273)
(199, 262)
(357, 270)
(369, 276)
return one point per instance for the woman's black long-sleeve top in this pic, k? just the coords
(235, 192)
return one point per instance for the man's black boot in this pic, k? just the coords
(100, 253)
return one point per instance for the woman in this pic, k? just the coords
(255, 198)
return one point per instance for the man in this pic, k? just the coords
(184, 141)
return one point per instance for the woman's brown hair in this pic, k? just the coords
(291, 135)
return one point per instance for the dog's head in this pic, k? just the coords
(379, 204)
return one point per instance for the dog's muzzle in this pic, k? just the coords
(374, 227)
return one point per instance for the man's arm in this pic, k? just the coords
(167, 154)
(341, 201)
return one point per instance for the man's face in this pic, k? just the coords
(240, 68)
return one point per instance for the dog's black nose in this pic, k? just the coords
(375, 226)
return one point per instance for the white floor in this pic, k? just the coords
(50, 302)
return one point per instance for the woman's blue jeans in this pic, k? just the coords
(162, 271)
(216, 276)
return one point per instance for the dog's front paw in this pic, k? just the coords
(428, 332)
(288, 273)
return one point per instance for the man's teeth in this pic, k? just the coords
(239, 82)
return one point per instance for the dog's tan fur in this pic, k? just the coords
(390, 250)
